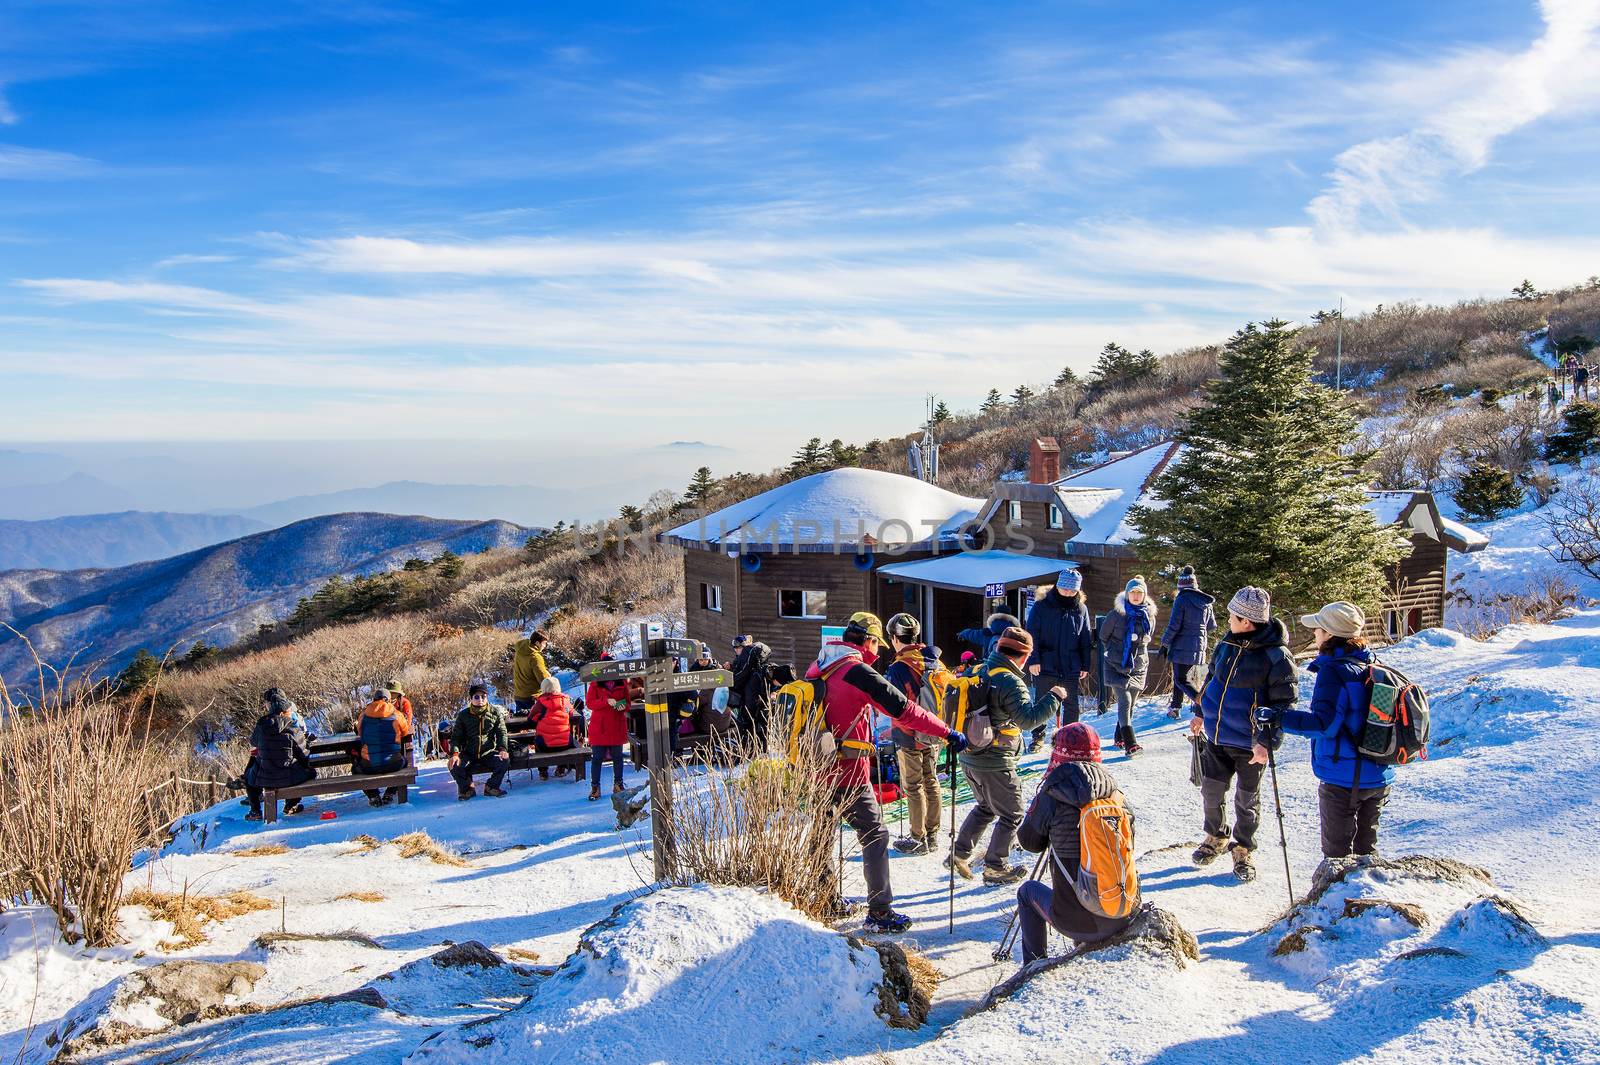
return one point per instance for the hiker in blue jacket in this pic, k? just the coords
(1252, 668)
(1063, 645)
(1186, 639)
(984, 638)
(1352, 790)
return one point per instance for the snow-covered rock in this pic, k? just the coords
(152, 1000)
(690, 974)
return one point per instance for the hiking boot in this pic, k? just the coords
(911, 845)
(962, 866)
(617, 789)
(253, 815)
(888, 922)
(463, 796)
(1208, 851)
(1244, 866)
(1014, 875)
(292, 808)
(1172, 712)
(561, 771)
(1035, 746)
(594, 793)
(495, 793)
(1134, 749)
(377, 801)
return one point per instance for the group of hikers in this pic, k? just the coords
(1242, 695)
(1571, 380)
(1023, 677)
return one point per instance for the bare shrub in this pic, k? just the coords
(766, 824)
(1577, 314)
(1573, 519)
(188, 913)
(1540, 602)
(85, 783)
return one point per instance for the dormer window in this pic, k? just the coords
(1014, 511)
(1055, 519)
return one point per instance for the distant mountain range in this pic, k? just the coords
(217, 593)
(101, 541)
(519, 503)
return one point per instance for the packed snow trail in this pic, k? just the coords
(1512, 786)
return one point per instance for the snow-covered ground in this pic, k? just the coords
(1513, 786)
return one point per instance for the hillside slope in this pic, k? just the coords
(101, 541)
(217, 593)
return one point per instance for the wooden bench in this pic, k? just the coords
(525, 756)
(329, 752)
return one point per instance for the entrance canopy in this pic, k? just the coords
(974, 571)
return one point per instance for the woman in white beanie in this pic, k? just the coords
(1352, 790)
(1125, 642)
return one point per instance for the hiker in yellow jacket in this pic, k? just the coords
(528, 671)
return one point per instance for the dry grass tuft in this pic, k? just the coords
(412, 845)
(925, 976)
(188, 913)
(364, 844)
(265, 850)
(518, 954)
(360, 896)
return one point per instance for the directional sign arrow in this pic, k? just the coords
(682, 682)
(622, 668)
(674, 648)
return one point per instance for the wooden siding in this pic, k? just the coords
(798, 640)
(718, 630)
(1415, 587)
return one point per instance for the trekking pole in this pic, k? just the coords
(1283, 839)
(952, 858)
(1008, 938)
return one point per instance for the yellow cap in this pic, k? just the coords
(868, 622)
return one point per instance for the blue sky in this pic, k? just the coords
(740, 224)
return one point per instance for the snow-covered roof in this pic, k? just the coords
(847, 506)
(1386, 507)
(970, 571)
(1461, 537)
(1100, 497)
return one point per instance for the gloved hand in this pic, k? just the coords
(1269, 729)
(1165, 651)
(1268, 716)
(957, 742)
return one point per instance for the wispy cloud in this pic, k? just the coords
(37, 164)
(1490, 95)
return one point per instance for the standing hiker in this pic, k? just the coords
(983, 639)
(750, 694)
(1125, 638)
(608, 730)
(1352, 790)
(1075, 779)
(855, 691)
(1063, 644)
(1186, 638)
(915, 752)
(528, 669)
(1252, 668)
(991, 771)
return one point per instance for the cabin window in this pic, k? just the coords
(711, 597)
(793, 603)
(1014, 511)
(1395, 624)
(1055, 517)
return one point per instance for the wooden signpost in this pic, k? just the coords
(654, 667)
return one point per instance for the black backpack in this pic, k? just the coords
(1396, 728)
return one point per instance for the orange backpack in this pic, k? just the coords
(1107, 883)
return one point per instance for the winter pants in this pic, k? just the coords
(919, 779)
(254, 793)
(495, 764)
(1218, 766)
(1069, 706)
(1034, 901)
(361, 767)
(598, 758)
(1124, 696)
(523, 705)
(999, 795)
(751, 721)
(544, 746)
(1350, 827)
(858, 807)
(1181, 688)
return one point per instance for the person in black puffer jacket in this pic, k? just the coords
(1186, 638)
(282, 758)
(1075, 777)
(1252, 669)
(1063, 644)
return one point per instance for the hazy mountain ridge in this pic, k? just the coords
(104, 541)
(217, 593)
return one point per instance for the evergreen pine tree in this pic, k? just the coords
(1486, 491)
(992, 402)
(1268, 489)
(1021, 396)
(140, 674)
(701, 486)
(1144, 365)
(941, 413)
(632, 517)
(1114, 365)
(448, 565)
(1067, 378)
(1526, 291)
(842, 454)
(809, 458)
(1579, 434)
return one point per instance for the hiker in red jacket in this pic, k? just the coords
(854, 692)
(551, 718)
(608, 730)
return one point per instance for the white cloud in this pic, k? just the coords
(35, 164)
(1472, 101)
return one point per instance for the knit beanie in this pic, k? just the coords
(1137, 582)
(1252, 604)
(1187, 579)
(1015, 641)
(1076, 742)
(1069, 580)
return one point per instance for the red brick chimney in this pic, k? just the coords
(1044, 461)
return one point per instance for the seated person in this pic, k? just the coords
(397, 696)
(551, 718)
(478, 744)
(1075, 778)
(383, 730)
(282, 758)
